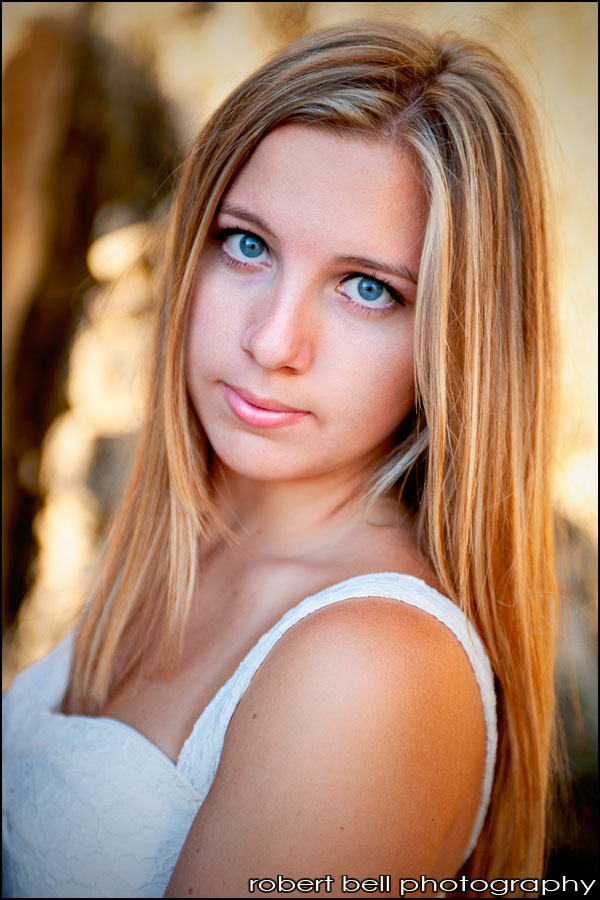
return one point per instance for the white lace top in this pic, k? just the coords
(92, 809)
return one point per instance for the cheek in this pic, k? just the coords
(200, 347)
(210, 325)
(397, 382)
(377, 390)
(392, 396)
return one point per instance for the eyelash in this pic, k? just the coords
(221, 235)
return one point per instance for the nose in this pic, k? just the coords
(280, 332)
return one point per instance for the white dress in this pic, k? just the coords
(92, 809)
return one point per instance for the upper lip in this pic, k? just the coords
(264, 402)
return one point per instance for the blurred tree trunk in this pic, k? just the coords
(83, 127)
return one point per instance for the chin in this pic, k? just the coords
(268, 462)
(267, 474)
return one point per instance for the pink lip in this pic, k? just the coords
(258, 411)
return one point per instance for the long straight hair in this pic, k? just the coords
(477, 463)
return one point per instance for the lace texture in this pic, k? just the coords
(91, 808)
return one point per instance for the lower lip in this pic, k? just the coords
(255, 415)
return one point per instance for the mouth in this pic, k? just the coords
(260, 412)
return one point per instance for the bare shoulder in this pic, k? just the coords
(372, 650)
(358, 747)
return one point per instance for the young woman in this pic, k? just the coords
(321, 641)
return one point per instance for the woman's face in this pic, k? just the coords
(299, 349)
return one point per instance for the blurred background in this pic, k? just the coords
(100, 104)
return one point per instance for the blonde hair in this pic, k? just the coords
(476, 465)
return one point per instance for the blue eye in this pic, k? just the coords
(239, 245)
(369, 290)
(366, 291)
(250, 246)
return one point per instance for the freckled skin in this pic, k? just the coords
(282, 327)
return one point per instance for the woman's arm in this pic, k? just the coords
(357, 749)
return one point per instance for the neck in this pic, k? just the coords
(289, 518)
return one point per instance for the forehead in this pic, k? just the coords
(316, 178)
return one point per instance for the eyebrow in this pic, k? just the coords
(399, 269)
